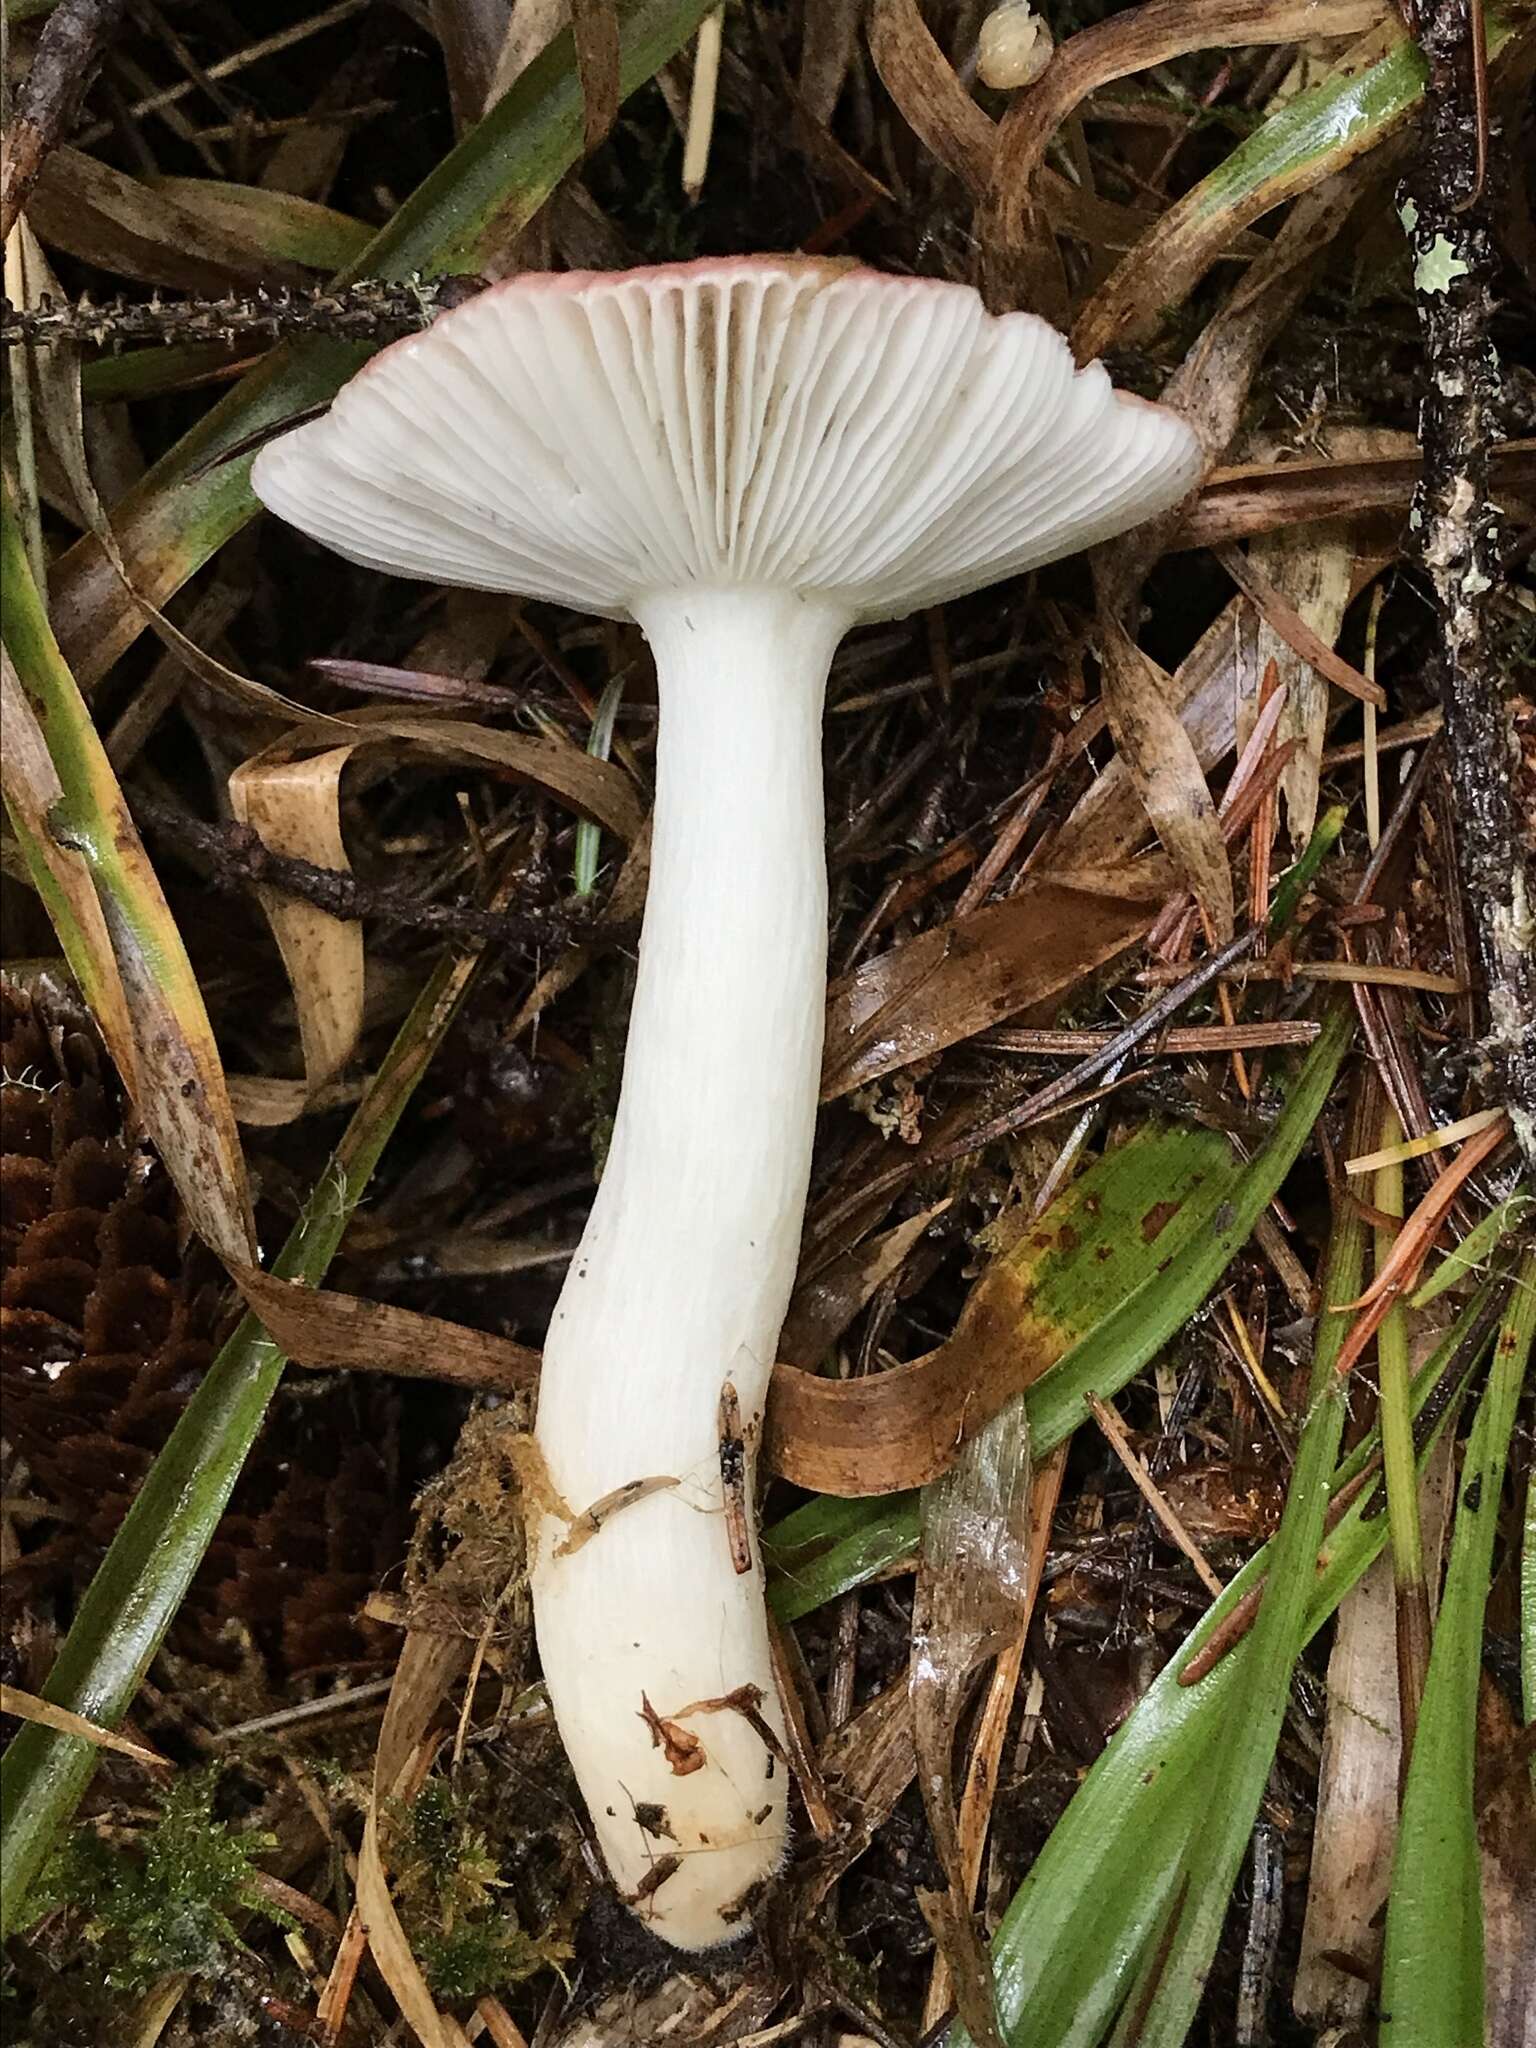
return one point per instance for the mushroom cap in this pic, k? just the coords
(882, 442)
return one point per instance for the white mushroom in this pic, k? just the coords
(1014, 46)
(747, 458)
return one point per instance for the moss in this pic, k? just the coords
(165, 1904)
(451, 1896)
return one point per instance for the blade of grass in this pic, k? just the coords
(1463, 1260)
(1170, 1985)
(172, 1066)
(1311, 137)
(1432, 1990)
(1528, 1609)
(1297, 879)
(1402, 1484)
(827, 1548)
(61, 878)
(458, 220)
(141, 1582)
(1082, 1920)
(599, 745)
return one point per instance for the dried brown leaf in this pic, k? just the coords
(319, 1327)
(951, 982)
(294, 807)
(1165, 768)
(596, 789)
(902, 1427)
(124, 226)
(1170, 260)
(933, 102)
(428, 1666)
(826, 1303)
(1014, 225)
(595, 25)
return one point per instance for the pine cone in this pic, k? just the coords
(109, 1316)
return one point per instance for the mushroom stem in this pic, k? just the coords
(653, 1641)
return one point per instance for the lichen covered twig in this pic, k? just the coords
(1489, 721)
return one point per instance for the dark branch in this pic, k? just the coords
(1488, 721)
(69, 50)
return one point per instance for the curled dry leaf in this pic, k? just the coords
(291, 799)
(596, 789)
(1101, 1239)
(1014, 226)
(1309, 139)
(294, 806)
(903, 1427)
(1165, 768)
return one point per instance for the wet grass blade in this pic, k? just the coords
(1313, 136)
(455, 222)
(1234, 1777)
(1126, 1308)
(146, 1572)
(1082, 1921)
(1432, 1976)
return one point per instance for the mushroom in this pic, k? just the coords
(746, 458)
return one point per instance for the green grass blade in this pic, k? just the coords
(1311, 137)
(1298, 878)
(1432, 1972)
(589, 836)
(1234, 1784)
(1158, 1282)
(1465, 1260)
(141, 1582)
(1074, 1934)
(469, 209)
(154, 1020)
